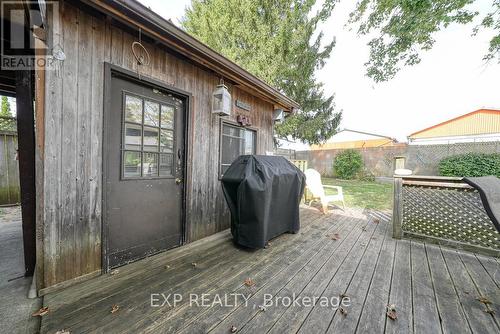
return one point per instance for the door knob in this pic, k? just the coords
(178, 181)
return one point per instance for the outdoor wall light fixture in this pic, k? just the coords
(278, 115)
(221, 100)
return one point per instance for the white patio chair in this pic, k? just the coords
(313, 182)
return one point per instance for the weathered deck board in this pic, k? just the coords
(198, 324)
(433, 289)
(479, 321)
(400, 293)
(424, 299)
(452, 314)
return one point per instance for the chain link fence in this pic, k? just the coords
(421, 159)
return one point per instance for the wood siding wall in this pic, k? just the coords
(9, 169)
(72, 213)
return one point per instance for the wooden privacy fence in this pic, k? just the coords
(9, 171)
(443, 210)
(301, 164)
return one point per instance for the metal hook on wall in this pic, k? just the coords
(140, 53)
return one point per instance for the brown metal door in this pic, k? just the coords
(144, 145)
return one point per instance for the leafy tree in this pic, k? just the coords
(348, 164)
(278, 42)
(6, 123)
(405, 28)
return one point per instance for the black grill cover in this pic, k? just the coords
(263, 194)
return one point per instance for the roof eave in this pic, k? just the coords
(189, 46)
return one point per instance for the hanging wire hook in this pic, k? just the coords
(140, 53)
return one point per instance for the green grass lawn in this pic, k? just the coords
(363, 194)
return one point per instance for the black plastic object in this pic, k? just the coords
(263, 194)
(489, 190)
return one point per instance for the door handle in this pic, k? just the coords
(178, 180)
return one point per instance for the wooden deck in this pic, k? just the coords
(433, 289)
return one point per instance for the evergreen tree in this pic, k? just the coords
(6, 123)
(278, 42)
(5, 107)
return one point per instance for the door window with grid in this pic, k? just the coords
(148, 138)
(236, 141)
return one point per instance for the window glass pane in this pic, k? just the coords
(150, 165)
(232, 131)
(150, 139)
(151, 113)
(166, 163)
(131, 164)
(133, 137)
(235, 142)
(133, 109)
(167, 141)
(167, 117)
(249, 142)
(231, 149)
(224, 168)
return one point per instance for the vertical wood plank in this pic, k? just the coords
(84, 262)
(69, 144)
(397, 213)
(101, 38)
(52, 162)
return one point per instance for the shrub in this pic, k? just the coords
(366, 175)
(347, 164)
(470, 164)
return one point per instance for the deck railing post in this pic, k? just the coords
(397, 212)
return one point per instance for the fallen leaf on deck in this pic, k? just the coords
(63, 331)
(194, 264)
(392, 315)
(114, 272)
(343, 312)
(41, 312)
(376, 221)
(114, 308)
(233, 329)
(335, 236)
(249, 282)
(391, 312)
(484, 300)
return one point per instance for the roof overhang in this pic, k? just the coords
(134, 14)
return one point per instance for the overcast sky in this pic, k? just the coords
(451, 80)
